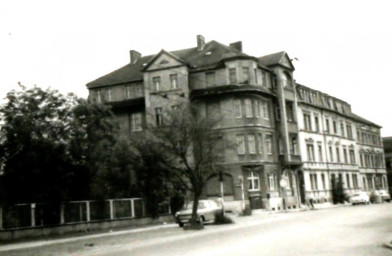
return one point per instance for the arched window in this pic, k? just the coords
(253, 181)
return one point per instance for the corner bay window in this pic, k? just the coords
(240, 144)
(251, 144)
(232, 75)
(268, 143)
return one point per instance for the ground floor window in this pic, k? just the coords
(272, 181)
(253, 181)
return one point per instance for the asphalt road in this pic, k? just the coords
(348, 230)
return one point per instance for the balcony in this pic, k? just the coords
(294, 161)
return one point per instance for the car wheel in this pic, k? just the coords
(201, 219)
(181, 224)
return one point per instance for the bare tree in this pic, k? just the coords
(192, 149)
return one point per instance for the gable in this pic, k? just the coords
(162, 61)
(286, 62)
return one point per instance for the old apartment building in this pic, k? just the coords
(283, 131)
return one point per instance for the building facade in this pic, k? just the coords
(387, 142)
(336, 145)
(260, 109)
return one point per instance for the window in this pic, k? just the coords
(253, 181)
(349, 131)
(232, 75)
(320, 153)
(345, 155)
(240, 144)
(330, 154)
(268, 143)
(342, 129)
(327, 125)
(290, 111)
(307, 122)
(352, 156)
(99, 96)
(264, 106)
(358, 136)
(335, 128)
(248, 108)
(237, 108)
(316, 123)
(348, 180)
(355, 180)
(257, 108)
(364, 183)
(136, 121)
(210, 79)
(109, 94)
(313, 181)
(293, 148)
(256, 76)
(310, 152)
(157, 83)
(260, 138)
(158, 117)
(251, 144)
(246, 75)
(361, 159)
(323, 180)
(337, 155)
(173, 81)
(271, 181)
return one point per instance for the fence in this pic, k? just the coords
(44, 214)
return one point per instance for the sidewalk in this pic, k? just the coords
(244, 219)
(49, 241)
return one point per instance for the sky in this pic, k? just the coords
(344, 48)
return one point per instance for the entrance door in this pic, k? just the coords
(255, 202)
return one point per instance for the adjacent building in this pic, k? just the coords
(291, 141)
(387, 141)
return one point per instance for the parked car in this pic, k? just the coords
(206, 211)
(384, 195)
(359, 198)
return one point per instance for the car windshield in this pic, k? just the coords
(201, 205)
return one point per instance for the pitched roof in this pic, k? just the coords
(211, 55)
(363, 120)
(272, 59)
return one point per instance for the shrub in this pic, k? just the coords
(221, 218)
(247, 211)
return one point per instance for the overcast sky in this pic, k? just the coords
(343, 47)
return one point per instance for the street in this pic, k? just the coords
(347, 230)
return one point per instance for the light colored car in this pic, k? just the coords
(359, 198)
(384, 195)
(206, 211)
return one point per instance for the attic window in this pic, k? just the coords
(163, 62)
(208, 53)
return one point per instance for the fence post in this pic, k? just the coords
(143, 210)
(33, 215)
(62, 219)
(111, 209)
(88, 210)
(133, 208)
(1, 217)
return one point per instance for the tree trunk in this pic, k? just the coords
(194, 218)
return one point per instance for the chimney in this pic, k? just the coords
(200, 42)
(134, 55)
(237, 45)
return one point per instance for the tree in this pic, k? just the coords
(99, 147)
(34, 140)
(191, 149)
